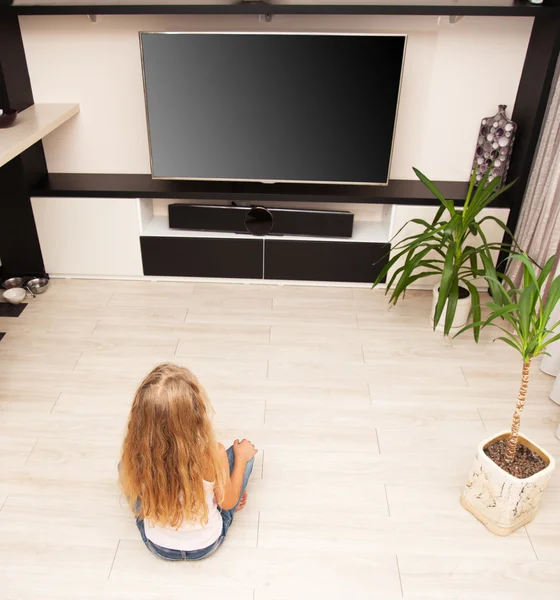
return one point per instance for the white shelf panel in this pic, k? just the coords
(364, 231)
(32, 125)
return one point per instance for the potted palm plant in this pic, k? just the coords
(510, 472)
(453, 246)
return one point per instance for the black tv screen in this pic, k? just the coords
(315, 108)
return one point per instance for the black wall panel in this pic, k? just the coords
(15, 86)
(20, 250)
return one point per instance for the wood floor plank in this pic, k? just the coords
(376, 534)
(15, 450)
(545, 538)
(92, 520)
(31, 402)
(389, 468)
(447, 437)
(274, 573)
(43, 324)
(26, 559)
(462, 578)
(293, 318)
(424, 373)
(420, 410)
(53, 587)
(115, 314)
(334, 352)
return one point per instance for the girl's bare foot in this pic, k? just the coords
(242, 502)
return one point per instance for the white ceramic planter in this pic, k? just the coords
(551, 364)
(558, 432)
(499, 500)
(461, 314)
(555, 391)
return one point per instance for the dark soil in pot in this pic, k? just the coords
(526, 461)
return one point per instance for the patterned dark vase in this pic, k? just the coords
(494, 145)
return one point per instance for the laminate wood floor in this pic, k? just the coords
(366, 420)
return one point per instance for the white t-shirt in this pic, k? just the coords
(191, 535)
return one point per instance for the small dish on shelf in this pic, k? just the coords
(7, 117)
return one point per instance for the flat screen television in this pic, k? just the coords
(273, 107)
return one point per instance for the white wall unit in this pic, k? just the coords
(145, 212)
(89, 236)
(101, 236)
(453, 76)
(31, 125)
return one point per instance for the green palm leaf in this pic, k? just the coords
(511, 343)
(552, 299)
(447, 277)
(476, 310)
(472, 183)
(452, 299)
(447, 203)
(526, 307)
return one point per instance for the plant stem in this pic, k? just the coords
(514, 438)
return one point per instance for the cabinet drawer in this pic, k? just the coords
(88, 236)
(202, 257)
(324, 261)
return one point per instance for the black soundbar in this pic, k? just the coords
(261, 221)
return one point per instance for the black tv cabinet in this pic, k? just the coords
(263, 258)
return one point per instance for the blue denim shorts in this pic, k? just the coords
(227, 519)
(171, 554)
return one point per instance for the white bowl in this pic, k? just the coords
(15, 295)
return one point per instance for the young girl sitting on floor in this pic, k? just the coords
(183, 486)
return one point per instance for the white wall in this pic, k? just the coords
(454, 75)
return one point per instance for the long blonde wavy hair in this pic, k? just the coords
(170, 449)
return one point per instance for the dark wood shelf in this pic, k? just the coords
(512, 8)
(110, 185)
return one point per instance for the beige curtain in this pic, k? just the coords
(538, 229)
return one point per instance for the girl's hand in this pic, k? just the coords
(244, 450)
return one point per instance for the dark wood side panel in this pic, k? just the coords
(511, 8)
(20, 250)
(323, 261)
(202, 257)
(34, 164)
(530, 108)
(15, 87)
